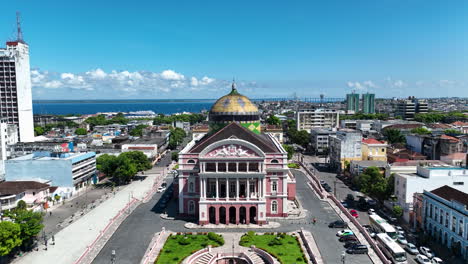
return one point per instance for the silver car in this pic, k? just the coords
(412, 249)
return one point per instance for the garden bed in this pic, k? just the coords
(181, 245)
(285, 248)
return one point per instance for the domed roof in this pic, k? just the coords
(234, 103)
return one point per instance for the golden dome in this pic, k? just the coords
(234, 103)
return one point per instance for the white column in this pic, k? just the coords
(264, 187)
(216, 166)
(248, 166)
(204, 187)
(217, 193)
(237, 166)
(248, 189)
(237, 188)
(227, 189)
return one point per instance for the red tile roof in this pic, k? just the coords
(460, 123)
(371, 141)
(450, 138)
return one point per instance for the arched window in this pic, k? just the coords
(191, 161)
(275, 161)
(191, 207)
(191, 187)
(274, 207)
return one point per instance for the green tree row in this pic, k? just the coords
(124, 167)
(374, 184)
(176, 137)
(437, 117)
(169, 119)
(41, 130)
(362, 116)
(101, 120)
(21, 231)
(138, 131)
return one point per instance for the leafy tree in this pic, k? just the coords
(138, 131)
(397, 211)
(273, 120)
(421, 131)
(39, 130)
(372, 183)
(138, 158)
(98, 120)
(107, 164)
(390, 185)
(125, 171)
(290, 150)
(21, 205)
(175, 155)
(192, 118)
(362, 116)
(452, 132)
(9, 237)
(176, 137)
(81, 131)
(394, 136)
(30, 224)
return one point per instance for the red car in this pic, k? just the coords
(354, 213)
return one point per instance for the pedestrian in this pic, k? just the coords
(50, 213)
(314, 220)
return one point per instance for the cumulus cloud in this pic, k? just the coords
(361, 86)
(171, 75)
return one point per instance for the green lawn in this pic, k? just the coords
(178, 247)
(284, 247)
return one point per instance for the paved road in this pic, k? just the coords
(133, 236)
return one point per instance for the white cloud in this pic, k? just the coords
(171, 75)
(67, 76)
(193, 81)
(96, 74)
(53, 84)
(361, 87)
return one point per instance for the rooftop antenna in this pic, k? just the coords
(18, 26)
(321, 99)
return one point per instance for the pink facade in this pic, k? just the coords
(234, 178)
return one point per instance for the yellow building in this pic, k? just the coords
(373, 149)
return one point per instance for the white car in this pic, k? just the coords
(344, 232)
(412, 249)
(426, 252)
(400, 230)
(161, 189)
(436, 260)
(371, 211)
(422, 259)
(402, 240)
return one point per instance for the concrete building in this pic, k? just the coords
(427, 178)
(352, 102)
(434, 146)
(368, 103)
(33, 193)
(15, 88)
(275, 131)
(461, 126)
(358, 166)
(236, 174)
(399, 153)
(445, 214)
(345, 147)
(373, 149)
(317, 118)
(71, 171)
(411, 166)
(319, 140)
(408, 108)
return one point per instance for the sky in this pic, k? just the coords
(151, 49)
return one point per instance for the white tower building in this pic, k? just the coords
(15, 87)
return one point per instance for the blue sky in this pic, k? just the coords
(193, 49)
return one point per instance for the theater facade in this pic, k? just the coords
(235, 174)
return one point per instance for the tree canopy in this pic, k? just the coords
(437, 117)
(9, 237)
(421, 131)
(273, 120)
(394, 136)
(362, 116)
(290, 150)
(101, 120)
(81, 131)
(452, 132)
(138, 131)
(373, 183)
(169, 119)
(176, 137)
(124, 167)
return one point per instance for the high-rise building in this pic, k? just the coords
(408, 108)
(368, 103)
(15, 88)
(352, 102)
(317, 118)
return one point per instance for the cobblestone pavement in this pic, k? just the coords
(132, 238)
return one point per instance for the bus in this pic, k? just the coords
(391, 249)
(379, 225)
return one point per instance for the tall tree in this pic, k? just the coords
(394, 136)
(9, 237)
(290, 150)
(372, 183)
(81, 131)
(421, 131)
(30, 224)
(138, 158)
(125, 171)
(273, 120)
(107, 164)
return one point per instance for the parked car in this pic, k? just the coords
(400, 230)
(422, 259)
(344, 232)
(436, 260)
(426, 252)
(412, 249)
(354, 213)
(357, 249)
(345, 204)
(327, 188)
(402, 240)
(371, 211)
(362, 204)
(350, 243)
(338, 224)
(322, 182)
(348, 238)
(164, 184)
(161, 189)
(372, 203)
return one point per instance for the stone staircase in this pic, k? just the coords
(205, 258)
(256, 259)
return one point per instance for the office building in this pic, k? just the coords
(368, 103)
(445, 214)
(15, 88)
(345, 147)
(408, 108)
(317, 118)
(319, 140)
(352, 102)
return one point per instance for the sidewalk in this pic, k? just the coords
(73, 240)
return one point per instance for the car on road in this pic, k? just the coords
(436, 260)
(412, 249)
(348, 238)
(423, 259)
(350, 243)
(344, 232)
(345, 204)
(338, 224)
(402, 240)
(400, 230)
(322, 182)
(327, 187)
(163, 184)
(161, 189)
(371, 211)
(357, 249)
(354, 213)
(426, 252)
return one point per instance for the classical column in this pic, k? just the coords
(217, 191)
(204, 187)
(248, 188)
(216, 164)
(247, 215)
(227, 189)
(237, 188)
(248, 166)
